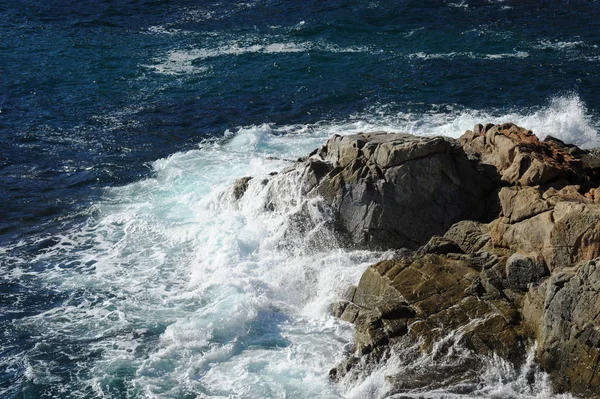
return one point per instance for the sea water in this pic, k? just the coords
(127, 267)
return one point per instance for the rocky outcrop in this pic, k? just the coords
(429, 295)
(503, 232)
(530, 274)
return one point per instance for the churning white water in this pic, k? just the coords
(176, 290)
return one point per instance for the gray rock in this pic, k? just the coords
(350, 313)
(439, 245)
(338, 307)
(591, 159)
(564, 312)
(240, 186)
(521, 270)
(396, 190)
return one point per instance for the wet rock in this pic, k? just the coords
(338, 307)
(591, 159)
(240, 186)
(350, 312)
(432, 294)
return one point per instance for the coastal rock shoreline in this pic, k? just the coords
(500, 240)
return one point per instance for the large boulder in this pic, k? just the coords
(397, 190)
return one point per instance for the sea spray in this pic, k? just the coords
(496, 379)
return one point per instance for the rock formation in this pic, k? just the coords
(504, 233)
(397, 190)
(520, 158)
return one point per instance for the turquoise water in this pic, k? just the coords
(127, 270)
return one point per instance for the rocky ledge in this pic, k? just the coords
(501, 239)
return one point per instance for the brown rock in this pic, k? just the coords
(576, 233)
(563, 226)
(519, 157)
(522, 203)
(593, 195)
(470, 236)
(439, 245)
(432, 294)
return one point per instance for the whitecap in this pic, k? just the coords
(565, 117)
(561, 45)
(187, 61)
(453, 55)
(516, 54)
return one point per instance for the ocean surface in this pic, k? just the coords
(127, 270)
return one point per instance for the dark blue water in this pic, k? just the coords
(92, 93)
(81, 109)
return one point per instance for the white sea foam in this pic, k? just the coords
(177, 62)
(564, 117)
(241, 317)
(561, 45)
(186, 61)
(498, 379)
(516, 54)
(164, 30)
(461, 4)
(185, 291)
(469, 54)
